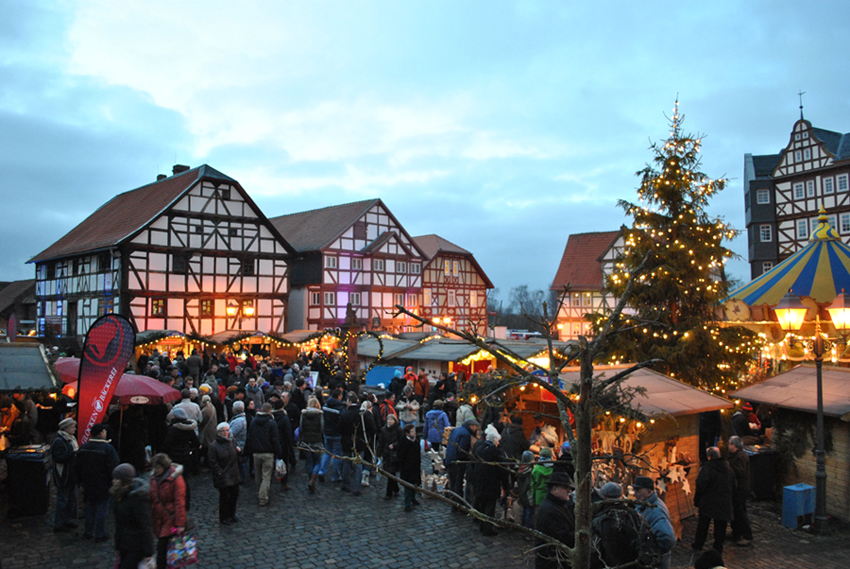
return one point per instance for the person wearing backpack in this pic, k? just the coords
(523, 489)
(658, 518)
(615, 530)
(436, 422)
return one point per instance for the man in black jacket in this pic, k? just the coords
(95, 461)
(556, 518)
(742, 533)
(713, 498)
(489, 477)
(63, 451)
(332, 410)
(264, 445)
(287, 441)
(514, 442)
(355, 429)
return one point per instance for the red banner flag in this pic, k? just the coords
(109, 345)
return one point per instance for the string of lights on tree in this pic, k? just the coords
(674, 299)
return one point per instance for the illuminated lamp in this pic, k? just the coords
(232, 307)
(247, 308)
(840, 311)
(790, 311)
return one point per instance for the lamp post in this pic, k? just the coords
(790, 311)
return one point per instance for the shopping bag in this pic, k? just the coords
(279, 469)
(182, 550)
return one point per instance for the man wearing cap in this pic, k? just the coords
(95, 462)
(556, 518)
(63, 451)
(459, 449)
(657, 516)
(616, 529)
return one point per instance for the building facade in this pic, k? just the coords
(454, 286)
(357, 254)
(190, 252)
(783, 193)
(587, 260)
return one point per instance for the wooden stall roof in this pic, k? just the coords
(446, 349)
(664, 395)
(298, 336)
(368, 346)
(24, 367)
(797, 389)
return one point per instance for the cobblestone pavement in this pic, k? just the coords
(335, 529)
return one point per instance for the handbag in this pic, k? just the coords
(182, 550)
(279, 469)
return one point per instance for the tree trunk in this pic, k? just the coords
(582, 457)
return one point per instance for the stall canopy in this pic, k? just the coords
(797, 389)
(156, 336)
(299, 336)
(24, 367)
(663, 396)
(445, 349)
(820, 270)
(369, 346)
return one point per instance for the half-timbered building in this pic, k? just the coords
(357, 254)
(783, 193)
(580, 281)
(454, 286)
(190, 252)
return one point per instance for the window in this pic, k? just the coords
(198, 228)
(455, 265)
(426, 296)
(51, 270)
(802, 229)
(378, 265)
(415, 268)
(248, 267)
(815, 223)
(587, 299)
(104, 262)
(842, 183)
(356, 263)
(473, 298)
(330, 299)
(330, 262)
(807, 154)
(805, 135)
(832, 221)
(766, 266)
(798, 156)
(762, 196)
(354, 299)
(452, 298)
(766, 233)
(398, 298)
(359, 230)
(233, 232)
(401, 267)
(797, 136)
(799, 191)
(412, 300)
(828, 186)
(178, 264)
(845, 223)
(224, 193)
(446, 267)
(158, 307)
(206, 307)
(576, 299)
(810, 188)
(315, 298)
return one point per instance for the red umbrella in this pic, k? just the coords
(68, 368)
(136, 389)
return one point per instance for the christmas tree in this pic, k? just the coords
(675, 297)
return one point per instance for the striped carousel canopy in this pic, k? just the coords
(820, 270)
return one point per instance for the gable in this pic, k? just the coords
(805, 150)
(581, 263)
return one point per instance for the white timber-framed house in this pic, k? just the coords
(783, 193)
(357, 254)
(587, 261)
(454, 286)
(190, 252)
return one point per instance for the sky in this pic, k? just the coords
(501, 126)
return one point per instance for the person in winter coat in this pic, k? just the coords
(311, 436)
(540, 476)
(194, 363)
(407, 407)
(409, 461)
(436, 422)
(514, 443)
(168, 503)
(615, 530)
(743, 426)
(523, 489)
(239, 432)
(391, 436)
(355, 428)
(287, 441)
(713, 498)
(95, 461)
(254, 393)
(450, 407)
(555, 518)
(458, 449)
(264, 446)
(208, 424)
(132, 511)
(63, 451)
(742, 533)
(181, 441)
(223, 458)
(657, 516)
(332, 410)
(397, 384)
(489, 478)
(464, 413)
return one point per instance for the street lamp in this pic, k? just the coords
(790, 312)
(232, 308)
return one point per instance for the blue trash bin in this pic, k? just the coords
(797, 500)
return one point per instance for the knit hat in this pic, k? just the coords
(644, 482)
(492, 434)
(611, 491)
(65, 423)
(527, 456)
(205, 388)
(748, 406)
(124, 472)
(545, 452)
(180, 414)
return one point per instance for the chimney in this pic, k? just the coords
(160, 177)
(179, 168)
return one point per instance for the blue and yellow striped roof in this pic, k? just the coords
(820, 270)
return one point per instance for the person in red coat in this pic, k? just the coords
(168, 503)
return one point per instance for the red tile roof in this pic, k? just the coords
(580, 265)
(125, 214)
